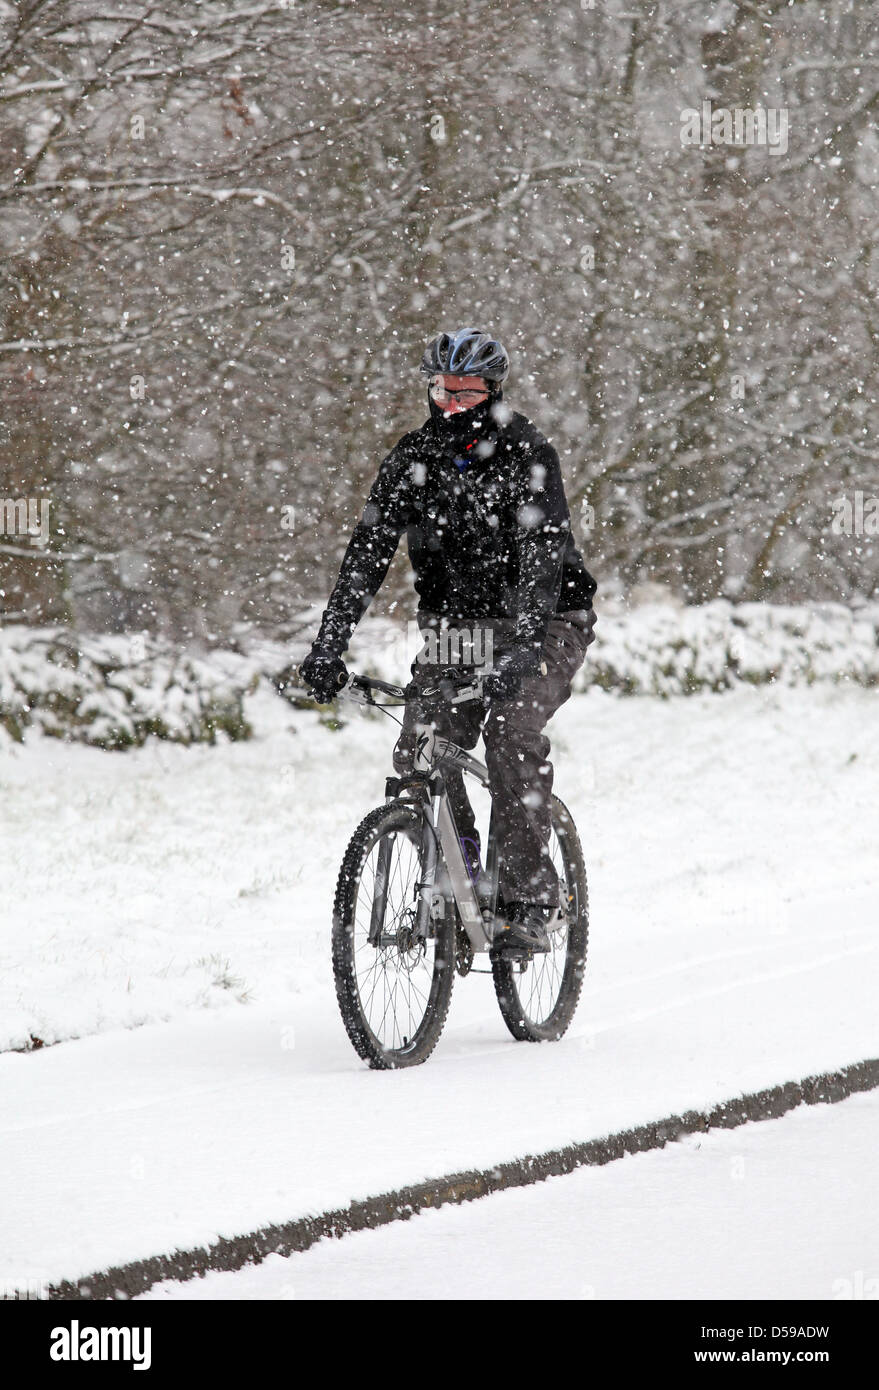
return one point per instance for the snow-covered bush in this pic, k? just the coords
(660, 649)
(117, 691)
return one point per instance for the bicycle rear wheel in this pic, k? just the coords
(393, 992)
(538, 997)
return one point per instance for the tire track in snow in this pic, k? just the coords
(295, 1236)
(715, 991)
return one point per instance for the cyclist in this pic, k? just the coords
(479, 492)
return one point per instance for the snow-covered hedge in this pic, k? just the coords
(660, 649)
(117, 691)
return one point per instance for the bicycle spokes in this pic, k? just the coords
(393, 968)
(538, 982)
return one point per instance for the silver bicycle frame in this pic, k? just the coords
(439, 824)
(476, 904)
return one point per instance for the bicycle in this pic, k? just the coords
(410, 912)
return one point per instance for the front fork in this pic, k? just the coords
(380, 891)
(438, 825)
(425, 887)
(423, 762)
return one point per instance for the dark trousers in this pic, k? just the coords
(516, 749)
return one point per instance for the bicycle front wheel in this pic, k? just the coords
(538, 997)
(393, 990)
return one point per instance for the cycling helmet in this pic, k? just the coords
(469, 352)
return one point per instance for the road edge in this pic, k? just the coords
(293, 1237)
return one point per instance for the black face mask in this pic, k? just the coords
(458, 430)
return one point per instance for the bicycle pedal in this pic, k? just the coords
(500, 952)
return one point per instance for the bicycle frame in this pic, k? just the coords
(476, 910)
(441, 844)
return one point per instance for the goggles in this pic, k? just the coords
(469, 397)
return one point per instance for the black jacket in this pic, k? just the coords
(493, 540)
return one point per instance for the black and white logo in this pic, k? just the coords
(75, 1343)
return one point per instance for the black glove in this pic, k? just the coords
(325, 673)
(505, 680)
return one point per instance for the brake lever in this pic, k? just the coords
(355, 693)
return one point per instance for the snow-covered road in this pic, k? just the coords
(787, 1208)
(733, 849)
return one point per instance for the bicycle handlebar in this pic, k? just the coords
(359, 690)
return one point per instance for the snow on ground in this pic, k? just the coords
(786, 1208)
(733, 848)
(143, 885)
